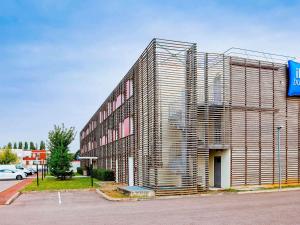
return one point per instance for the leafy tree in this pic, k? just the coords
(31, 146)
(15, 145)
(8, 157)
(77, 154)
(20, 146)
(26, 145)
(42, 145)
(9, 145)
(60, 160)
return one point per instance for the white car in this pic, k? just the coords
(6, 174)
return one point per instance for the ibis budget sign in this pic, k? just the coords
(294, 78)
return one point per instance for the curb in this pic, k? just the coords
(106, 197)
(268, 191)
(12, 198)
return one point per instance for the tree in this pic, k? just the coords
(42, 145)
(9, 145)
(15, 145)
(60, 160)
(20, 146)
(77, 154)
(8, 157)
(26, 145)
(31, 146)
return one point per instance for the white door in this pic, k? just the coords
(130, 172)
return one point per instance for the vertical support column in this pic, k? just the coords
(206, 119)
(259, 140)
(273, 127)
(230, 116)
(156, 131)
(246, 131)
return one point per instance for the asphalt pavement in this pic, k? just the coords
(88, 208)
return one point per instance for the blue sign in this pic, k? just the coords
(294, 78)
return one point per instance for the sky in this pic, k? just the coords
(59, 60)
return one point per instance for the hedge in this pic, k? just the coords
(103, 174)
(80, 170)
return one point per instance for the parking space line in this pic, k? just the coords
(59, 198)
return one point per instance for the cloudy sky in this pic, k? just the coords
(59, 59)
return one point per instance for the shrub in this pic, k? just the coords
(103, 174)
(80, 170)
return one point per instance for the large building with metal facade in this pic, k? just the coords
(182, 121)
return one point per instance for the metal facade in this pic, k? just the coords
(175, 105)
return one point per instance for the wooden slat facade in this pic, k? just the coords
(185, 104)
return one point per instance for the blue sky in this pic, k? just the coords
(60, 59)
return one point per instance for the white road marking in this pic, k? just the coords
(59, 198)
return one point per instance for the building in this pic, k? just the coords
(34, 155)
(182, 121)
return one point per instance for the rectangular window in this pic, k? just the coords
(119, 101)
(100, 117)
(129, 89)
(126, 127)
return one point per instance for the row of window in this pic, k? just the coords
(112, 106)
(124, 129)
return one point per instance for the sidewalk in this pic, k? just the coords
(7, 195)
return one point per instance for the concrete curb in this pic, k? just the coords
(12, 198)
(106, 197)
(268, 191)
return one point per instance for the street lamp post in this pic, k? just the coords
(37, 171)
(278, 156)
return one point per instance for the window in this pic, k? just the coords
(126, 127)
(129, 89)
(119, 101)
(100, 117)
(108, 109)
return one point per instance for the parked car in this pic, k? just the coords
(16, 167)
(6, 174)
(26, 171)
(32, 170)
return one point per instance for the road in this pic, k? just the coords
(88, 208)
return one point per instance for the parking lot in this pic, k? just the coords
(5, 184)
(87, 207)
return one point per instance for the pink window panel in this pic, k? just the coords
(129, 90)
(103, 140)
(108, 109)
(126, 127)
(119, 101)
(113, 105)
(100, 117)
(113, 135)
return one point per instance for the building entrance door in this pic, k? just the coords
(217, 171)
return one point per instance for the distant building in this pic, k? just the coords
(33, 155)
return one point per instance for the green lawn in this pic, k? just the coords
(51, 183)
